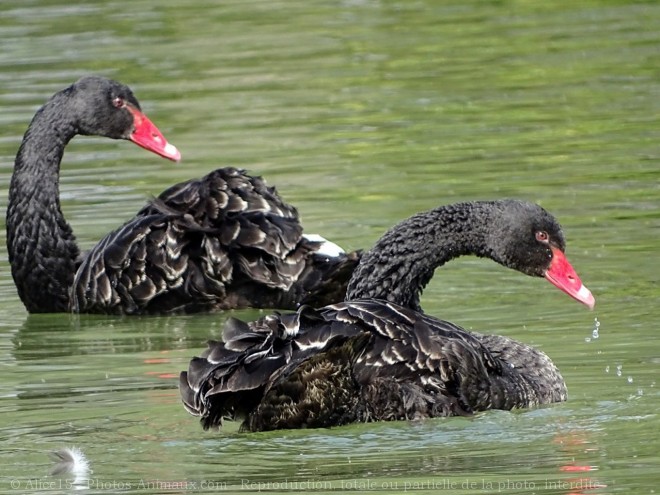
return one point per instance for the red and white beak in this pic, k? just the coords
(562, 275)
(147, 135)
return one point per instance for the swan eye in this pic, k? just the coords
(542, 236)
(117, 102)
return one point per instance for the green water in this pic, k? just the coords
(362, 113)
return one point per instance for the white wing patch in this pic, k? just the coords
(327, 248)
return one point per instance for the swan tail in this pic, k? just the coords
(271, 373)
(325, 278)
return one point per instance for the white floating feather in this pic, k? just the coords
(71, 461)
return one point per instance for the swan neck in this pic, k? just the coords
(41, 245)
(403, 261)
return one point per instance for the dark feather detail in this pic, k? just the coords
(360, 361)
(224, 241)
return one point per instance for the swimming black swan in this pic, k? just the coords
(376, 356)
(224, 241)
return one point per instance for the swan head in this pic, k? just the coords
(525, 237)
(108, 108)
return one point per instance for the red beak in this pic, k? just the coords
(147, 135)
(562, 275)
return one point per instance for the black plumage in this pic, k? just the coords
(226, 240)
(377, 356)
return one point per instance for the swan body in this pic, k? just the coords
(376, 356)
(364, 360)
(226, 240)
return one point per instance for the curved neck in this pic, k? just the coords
(402, 262)
(41, 245)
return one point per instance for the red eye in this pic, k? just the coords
(542, 236)
(118, 102)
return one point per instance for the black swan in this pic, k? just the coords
(376, 356)
(224, 241)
